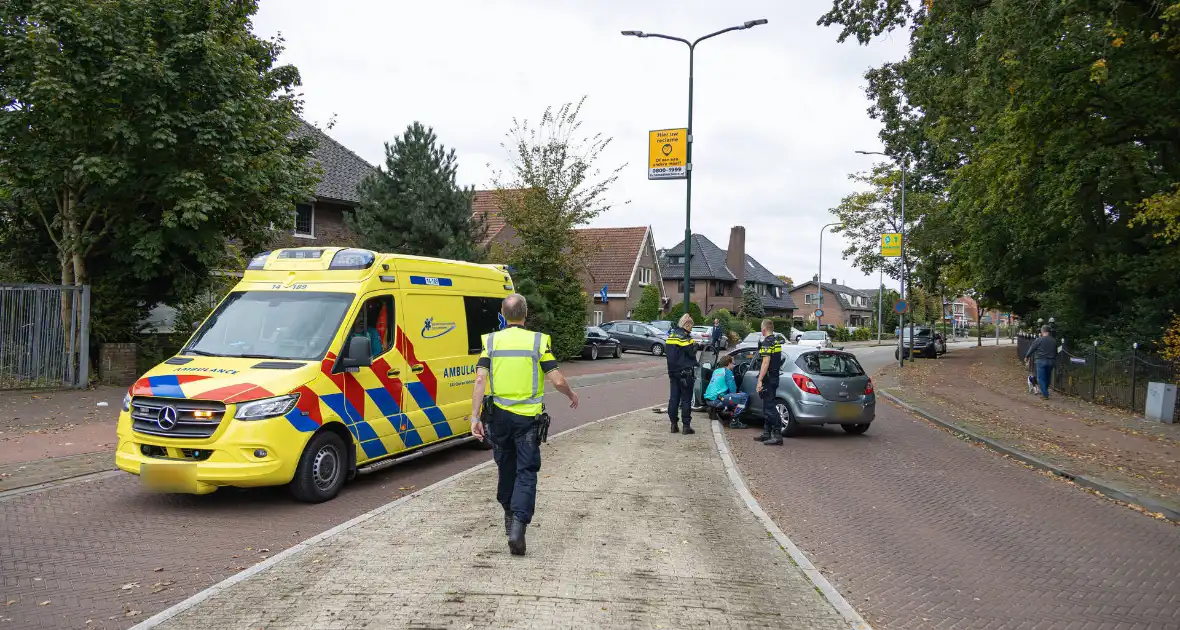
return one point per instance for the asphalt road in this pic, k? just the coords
(921, 530)
(105, 554)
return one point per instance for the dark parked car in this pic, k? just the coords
(637, 336)
(924, 343)
(600, 344)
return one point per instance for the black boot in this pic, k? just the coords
(507, 522)
(675, 427)
(516, 537)
(765, 432)
(776, 437)
(687, 428)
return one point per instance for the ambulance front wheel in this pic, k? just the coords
(322, 469)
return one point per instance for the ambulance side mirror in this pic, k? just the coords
(358, 354)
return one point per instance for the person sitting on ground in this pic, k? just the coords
(724, 395)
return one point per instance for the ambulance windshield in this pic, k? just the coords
(293, 325)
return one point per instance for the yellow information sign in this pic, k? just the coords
(667, 154)
(891, 245)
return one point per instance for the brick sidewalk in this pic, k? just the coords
(984, 391)
(635, 528)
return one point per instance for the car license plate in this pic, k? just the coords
(848, 410)
(169, 476)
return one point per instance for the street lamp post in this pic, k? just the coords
(688, 151)
(820, 278)
(901, 292)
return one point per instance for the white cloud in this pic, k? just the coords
(779, 109)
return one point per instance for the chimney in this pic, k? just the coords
(834, 281)
(735, 256)
(815, 277)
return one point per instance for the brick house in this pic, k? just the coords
(842, 305)
(717, 274)
(624, 261)
(621, 259)
(320, 221)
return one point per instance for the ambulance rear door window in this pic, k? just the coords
(483, 317)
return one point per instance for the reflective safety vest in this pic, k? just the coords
(515, 380)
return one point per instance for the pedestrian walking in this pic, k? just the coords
(1043, 350)
(771, 352)
(680, 351)
(724, 395)
(506, 407)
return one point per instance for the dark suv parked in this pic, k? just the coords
(637, 336)
(925, 343)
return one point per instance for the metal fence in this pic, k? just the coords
(44, 336)
(1117, 380)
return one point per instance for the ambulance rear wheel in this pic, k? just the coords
(322, 469)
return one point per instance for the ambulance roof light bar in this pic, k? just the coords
(353, 259)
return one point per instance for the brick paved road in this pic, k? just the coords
(76, 546)
(919, 530)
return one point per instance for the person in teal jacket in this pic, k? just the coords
(723, 393)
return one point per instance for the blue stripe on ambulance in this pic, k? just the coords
(165, 386)
(388, 406)
(433, 413)
(360, 429)
(301, 421)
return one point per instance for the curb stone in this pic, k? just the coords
(797, 556)
(1169, 512)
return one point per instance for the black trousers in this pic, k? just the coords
(680, 397)
(774, 422)
(518, 459)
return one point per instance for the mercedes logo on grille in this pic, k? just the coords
(167, 418)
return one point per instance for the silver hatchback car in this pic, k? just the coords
(816, 387)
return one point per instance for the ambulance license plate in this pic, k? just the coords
(848, 410)
(169, 477)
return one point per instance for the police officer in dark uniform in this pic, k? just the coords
(509, 372)
(771, 352)
(681, 353)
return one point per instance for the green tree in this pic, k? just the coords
(648, 307)
(553, 185)
(1046, 194)
(694, 311)
(752, 304)
(139, 137)
(414, 206)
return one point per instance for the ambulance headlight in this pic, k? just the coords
(267, 407)
(127, 401)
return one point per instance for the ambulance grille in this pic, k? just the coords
(173, 418)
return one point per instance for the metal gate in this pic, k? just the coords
(44, 336)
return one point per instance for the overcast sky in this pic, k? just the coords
(779, 109)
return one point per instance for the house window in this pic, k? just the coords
(692, 286)
(597, 321)
(761, 289)
(644, 276)
(778, 293)
(305, 220)
(719, 289)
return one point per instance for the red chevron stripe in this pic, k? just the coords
(309, 403)
(426, 377)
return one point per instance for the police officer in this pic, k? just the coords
(680, 350)
(509, 371)
(771, 352)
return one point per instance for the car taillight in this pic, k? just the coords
(805, 384)
(869, 387)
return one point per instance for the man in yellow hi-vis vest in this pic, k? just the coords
(509, 371)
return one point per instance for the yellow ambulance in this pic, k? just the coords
(321, 363)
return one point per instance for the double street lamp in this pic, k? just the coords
(688, 152)
(901, 316)
(820, 278)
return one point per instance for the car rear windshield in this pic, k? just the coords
(814, 335)
(918, 332)
(295, 325)
(839, 364)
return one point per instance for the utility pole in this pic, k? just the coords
(880, 302)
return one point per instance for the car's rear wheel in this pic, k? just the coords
(790, 424)
(657, 349)
(855, 429)
(594, 353)
(322, 469)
